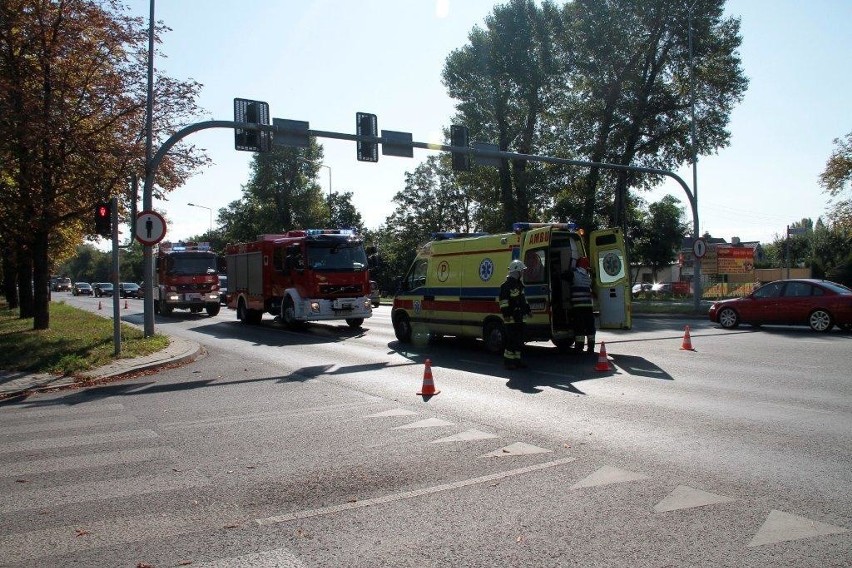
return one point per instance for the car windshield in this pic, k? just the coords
(129, 285)
(105, 286)
(337, 256)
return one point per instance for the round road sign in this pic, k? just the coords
(150, 227)
(699, 247)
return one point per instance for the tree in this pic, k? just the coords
(661, 233)
(501, 80)
(72, 102)
(282, 194)
(626, 97)
(836, 179)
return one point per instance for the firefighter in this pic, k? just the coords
(582, 305)
(514, 307)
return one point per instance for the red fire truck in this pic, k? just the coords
(185, 277)
(300, 276)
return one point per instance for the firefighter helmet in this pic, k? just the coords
(517, 266)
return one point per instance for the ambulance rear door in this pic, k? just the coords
(608, 258)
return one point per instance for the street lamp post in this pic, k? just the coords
(208, 209)
(320, 164)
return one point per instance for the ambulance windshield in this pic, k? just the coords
(337, 256)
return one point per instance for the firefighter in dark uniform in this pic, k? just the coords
(582, 306)
(514, 307)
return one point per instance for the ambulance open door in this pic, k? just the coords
(612, 278)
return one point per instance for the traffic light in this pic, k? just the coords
(103, 219)
(367, 125)
(459, 136)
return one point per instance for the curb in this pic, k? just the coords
(179, 350)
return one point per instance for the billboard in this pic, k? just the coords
(734, 260)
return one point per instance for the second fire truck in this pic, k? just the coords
(300, 276)
(185, 277)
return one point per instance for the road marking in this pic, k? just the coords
(81, 440)
(260, 416)
(607, 475)
(516, 449)
(684, 497)
(86, 461)
(394, 412)
(278, 558)
(781, 527)
(466, 436)
(69, 425)
(53, 497)
(73, 411)
(309, 513)
(427, 423)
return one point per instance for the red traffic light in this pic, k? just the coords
(103, 219)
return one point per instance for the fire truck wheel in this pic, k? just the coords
(288, 315)
(494, 336)
(354, 322)
(402, 328)
(212, 309)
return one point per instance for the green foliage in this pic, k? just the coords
(836, 179)
(660, 234)
(77, 341)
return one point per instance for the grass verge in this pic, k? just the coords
(76, 341)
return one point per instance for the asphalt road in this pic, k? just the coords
(311, 448)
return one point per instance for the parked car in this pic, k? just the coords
(129, 290)
(661, 288)
(641, 288)
(82, 289)
(819, 304)
(223, 289)
(102, 289)
(375, 295)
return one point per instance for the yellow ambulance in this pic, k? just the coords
(453, 285)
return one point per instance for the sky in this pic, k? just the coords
(321, 61)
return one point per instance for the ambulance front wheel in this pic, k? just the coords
(402, 327)
(494, 336)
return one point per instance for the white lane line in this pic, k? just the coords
(69, 425)
(86, 461)
(53, 497)
(261, 416)
(278, 558)
(410, 494)
(73, 441)
(9, 415)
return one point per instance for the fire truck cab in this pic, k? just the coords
(185, 277)
(300, 276)
(453, 285)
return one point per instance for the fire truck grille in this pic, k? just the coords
(192, 287)
(349, 289)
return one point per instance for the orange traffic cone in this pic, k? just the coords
(428, 388)
(687, 342)
(99, 305)
(603, 362)
(125, 304)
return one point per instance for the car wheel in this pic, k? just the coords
(728, 318)
(494, 336)
(402, 327)
(354, 322)
(820, 320)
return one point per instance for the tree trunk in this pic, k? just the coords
(41, 281)
(25, 282)
(10, 277)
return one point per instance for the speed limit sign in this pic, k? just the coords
(699, 247)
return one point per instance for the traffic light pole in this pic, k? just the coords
(481, 153)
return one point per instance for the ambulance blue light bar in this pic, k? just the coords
(518, 227)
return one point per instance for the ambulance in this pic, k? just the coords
(453, 285)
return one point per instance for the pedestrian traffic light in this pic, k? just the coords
(459, 138)
(367, 125)
(103, 219)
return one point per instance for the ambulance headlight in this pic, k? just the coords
(315, 307)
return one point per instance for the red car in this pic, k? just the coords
(819, 304)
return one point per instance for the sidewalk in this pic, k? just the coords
(179, 351)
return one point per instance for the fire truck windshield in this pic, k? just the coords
(337, 256)
(189, 263)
